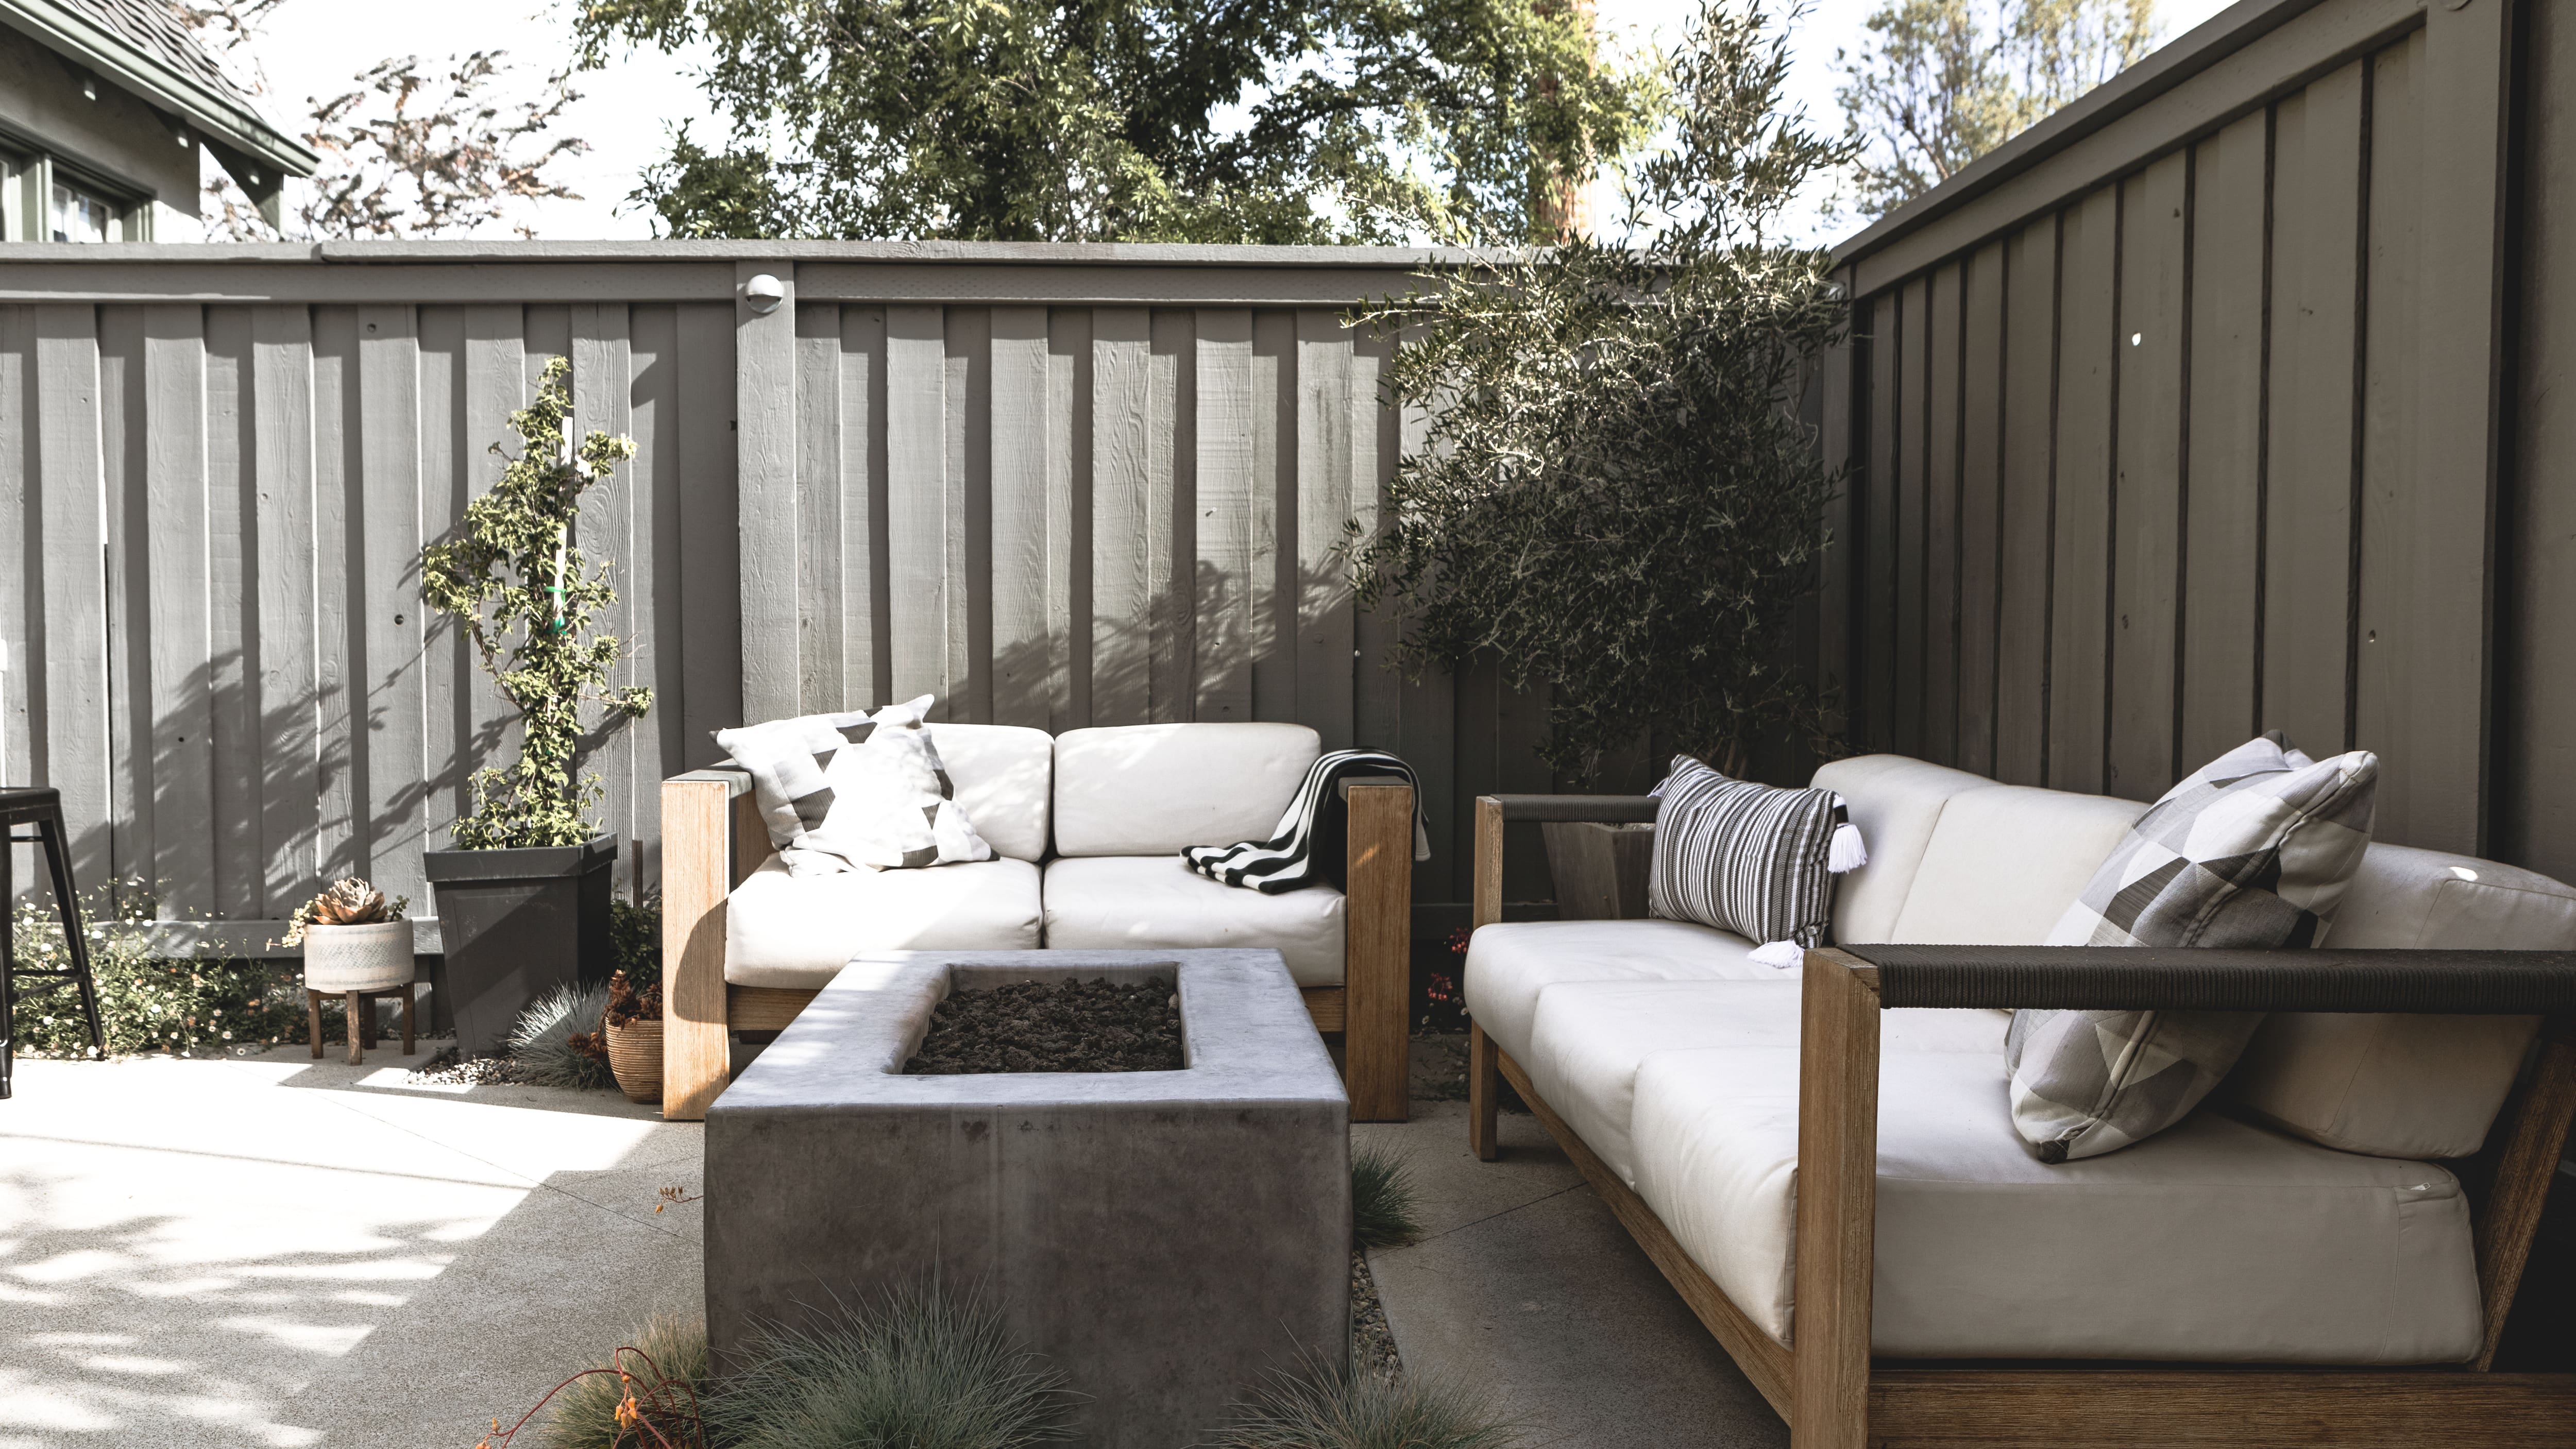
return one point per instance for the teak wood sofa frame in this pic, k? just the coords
(1825, 1384)
(713, 839)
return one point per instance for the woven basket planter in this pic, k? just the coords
(635, 1056)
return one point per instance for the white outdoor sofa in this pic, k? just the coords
(1087, 829)
(2237, 1279)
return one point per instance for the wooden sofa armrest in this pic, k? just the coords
(1377, 947)
(2114, 978)
(1495, 811)
(712, 838)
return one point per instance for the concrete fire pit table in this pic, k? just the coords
(1163, 1238)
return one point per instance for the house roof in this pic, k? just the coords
(140, 46)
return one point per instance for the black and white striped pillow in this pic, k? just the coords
(1749, 858)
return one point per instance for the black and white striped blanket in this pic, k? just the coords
(1312, 842)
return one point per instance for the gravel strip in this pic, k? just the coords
(1372, 1341)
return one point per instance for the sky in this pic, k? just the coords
(312, 48)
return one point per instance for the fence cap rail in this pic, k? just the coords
(947, 253)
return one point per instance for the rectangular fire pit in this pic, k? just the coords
(1164, 1238)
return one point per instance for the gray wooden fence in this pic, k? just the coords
(1054, 486)
(2192, 413)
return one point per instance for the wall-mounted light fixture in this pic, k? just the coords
(764, 293)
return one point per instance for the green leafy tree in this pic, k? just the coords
(1942, 82)
(1129, 120)
(525, 596)
(1616, 498)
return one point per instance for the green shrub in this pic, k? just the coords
(635, 935)
(188, 1006)
(556, 1042)
(1329, 1408)
(1384, 1209)
(919, 1370)
(584, 1414)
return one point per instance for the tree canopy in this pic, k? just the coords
(1940, 83)
(1266, 121)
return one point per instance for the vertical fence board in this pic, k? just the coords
(1025, 662)
(1912, 502)
(1325, 633)
(866, 628)
(285, 701)
(391, 677)
(1069, 513)
(2220, 617)
(610, 538)
(497, 367)
(2307, 569)
(1878, 518)
(1378, 697)
(916, 494)
(1943, 361)
(73, 645)
(446, 684)
(2148, 491)
(764, 411)
(1122, 597)
(710, 578)
(1980, 497)
(1171, 476)
(1222, 587)
(652, 573)
(1273, 523)
(233, 578)
(21, 540)
(2028, 503)
(821, 560)
(177, 526)
(339, 473)
(122, 458)
(968, 694)
(2079, 630)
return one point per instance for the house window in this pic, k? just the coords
(82, 216)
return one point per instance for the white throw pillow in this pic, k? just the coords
(787, 759)
(891, 805)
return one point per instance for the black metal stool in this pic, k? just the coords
(41, 807)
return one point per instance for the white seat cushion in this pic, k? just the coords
(1115, 902)
(1155, 789)
(1591, 1036)
(1005, 779)
(1896, 801)
(2214, 1240)
(783, 930)
(1510, 963)
(2004, 862)
(2408, 1086)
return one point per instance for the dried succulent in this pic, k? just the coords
(626, 1005)
(349, 902)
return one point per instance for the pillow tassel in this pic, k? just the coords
(1847, 853)
(1779, 955)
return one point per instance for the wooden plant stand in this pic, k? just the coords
(362, 1019)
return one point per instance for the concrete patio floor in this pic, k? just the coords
(271, 1250)
(276, 1251)
(1525, 1285)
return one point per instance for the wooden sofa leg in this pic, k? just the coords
(1484, 1094)
(1377, 952)
(697, 875)
(1837, 1213)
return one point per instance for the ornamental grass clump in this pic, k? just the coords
(557, 1041)
(1385, 1211)
(1328, 1407)
(667, 1361)
(525, 594)
(919, 1369)
(1617, 498)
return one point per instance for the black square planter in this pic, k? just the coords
(516, 924)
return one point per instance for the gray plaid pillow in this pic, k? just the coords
(2255, 850)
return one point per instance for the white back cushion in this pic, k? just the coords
(1895, 801)
(2408, 1086)
(1153, 789)
(1004, 776)
(2005, 862)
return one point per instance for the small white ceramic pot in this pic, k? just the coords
(358, 958)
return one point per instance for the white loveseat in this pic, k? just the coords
(2302, 1218)
(1086, 829)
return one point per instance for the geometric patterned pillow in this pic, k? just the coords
(1748, 858)
(893, 806)
(2255, 850)
(787, 758)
